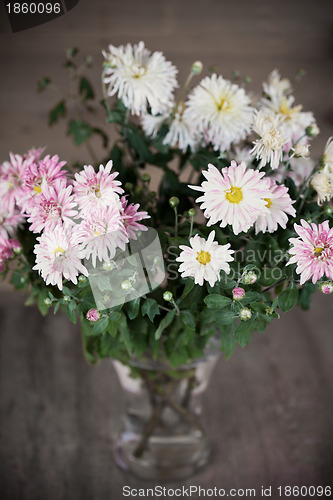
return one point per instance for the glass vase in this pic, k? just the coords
(163, 437)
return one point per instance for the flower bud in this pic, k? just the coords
(145, 177)
(167, 296)
(128, 186)
(126, 285)
(66, 298)
(238, 293)
(93, 315)
(300, 151)
(82, 278)
(192, 212)
(249, 277)
(47, 302)
(109, 266)
(269, 311)
(247, 79)
(326, 287)
(197, 67)
(174, 202)
(312, 130)
(245, 314)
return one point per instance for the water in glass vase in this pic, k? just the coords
(163, 437)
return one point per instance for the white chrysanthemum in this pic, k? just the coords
(275, 87)
(241, 155)
(181, 133)
(279, 204)
(234, 196)
(328, 154)
(220, 110)
(151, 124)
(322, 182)
(269, 148)
(139, 78)
(300, 150)
(204, 259)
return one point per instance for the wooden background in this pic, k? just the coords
(269, 409)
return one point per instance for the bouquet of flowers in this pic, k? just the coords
(238, 230)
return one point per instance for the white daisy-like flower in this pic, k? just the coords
(151, 124)
(204, 259)
(234, 196)
(275, 87)
(328, 155)
(279, 204)
(269, 148)
(57, 256)
(181, 133)
(322, 183)
(139, 78)
(300, 150)
(220, 110)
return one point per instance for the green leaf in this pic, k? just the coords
(225, 317)
(132, 308)
(100, 326)
(304, 298)
(288, 298)
(228, 341)
(150, 308)
(244, 331)
(71, 313)
(250, 297)
(80, 131)
(43, 83)
(215, 301)
(166, 321)
(188, 319)
(58, 111)
(188, 287)
(86, 89)
(43, 308)
(137, 142)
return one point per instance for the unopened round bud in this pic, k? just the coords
(82, 278)
(126, 285)
(128, 186)
(167, 296)
(326, 287)
(66, 298)
(93, 315)
(17, 250)
(192, 212)
(197, 67)
(145, 177)
(249, 277)
(238, 293)
(312, 130)
(174, 202)
(109, 266)
(328, 210)
(269, 311)
(247, 79)
(245, 314)
(48, 302)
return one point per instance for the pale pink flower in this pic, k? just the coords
(279, 204)
(58, 256)
(6, 250)
(131, 216)
(54, 206)
(326, 287)
(312, 251)
(204, 259)
(238, 293)
(96, 189)
(9, 222)
(234, 196)
(37, 177)
(100, 233)
(11, 178)
(93, 315)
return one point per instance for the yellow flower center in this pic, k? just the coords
(268, 202)
(203, 257)
(59, 250)
(97, 192)
(38, 189)
(223, 105)
(234, 194)
(318, 250)
(286, 110)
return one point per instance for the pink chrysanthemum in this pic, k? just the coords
(58, 256)
(312, 251)
(279, 204)
(37, 177)
(101, 233)
(96, 189)
(9, 222)
(235, 196)
(11, 175)
(54, 206)
(6, 250)
(131, 216)
(93, 315)
(204, 259)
